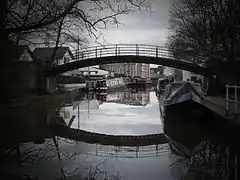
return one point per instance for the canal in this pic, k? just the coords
(193, 151)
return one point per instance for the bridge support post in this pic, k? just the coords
(137, 150)
(137, 50)
(156, 51)
(96, 52)
(116, 50)
(156, 149)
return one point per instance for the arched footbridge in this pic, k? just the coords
(128, 53)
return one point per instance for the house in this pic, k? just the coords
(45, 54)
(22, 71)
(25, 54)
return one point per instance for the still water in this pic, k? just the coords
(124, 112)
(120, 113)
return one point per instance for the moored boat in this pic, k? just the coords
(162, 82)
(182, 100)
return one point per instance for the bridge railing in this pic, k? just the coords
(129, 50)
(119, 151)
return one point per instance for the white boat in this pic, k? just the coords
(98, 85)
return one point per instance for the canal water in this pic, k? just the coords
(127, 112)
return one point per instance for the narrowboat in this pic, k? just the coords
(182, 100)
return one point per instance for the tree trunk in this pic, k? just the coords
(3, 10)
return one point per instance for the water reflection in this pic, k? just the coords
(203, 149)
(59, 158)
(117, 113)
(207, 149)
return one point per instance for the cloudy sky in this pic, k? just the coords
(141, 27)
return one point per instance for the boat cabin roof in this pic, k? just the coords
(172, 88)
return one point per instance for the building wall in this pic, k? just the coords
(187, 75)
(128, 69)
(24, 76)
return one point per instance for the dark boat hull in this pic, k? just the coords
(183, 125)
(188, 110)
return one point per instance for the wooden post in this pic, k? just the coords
(78, 118)
(235, 102)
(156, 51)
(227, 113)
(96, 150)
(137, 149)
(95, 52)
(137, 50)
(116, 50)
(156, 149)
(236, 167)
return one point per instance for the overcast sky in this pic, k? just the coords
(141, 27)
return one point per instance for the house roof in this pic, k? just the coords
(17, 51)
(46, 53)
(22, 48)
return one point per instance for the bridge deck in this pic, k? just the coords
(129, 53)
(96, 138)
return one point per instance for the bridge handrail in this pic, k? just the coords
(129, 50)
(126, 151)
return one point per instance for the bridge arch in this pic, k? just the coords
(127, 53)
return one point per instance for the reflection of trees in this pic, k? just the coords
(30, 154)
(215, 161)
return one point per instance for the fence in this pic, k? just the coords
(232, 99)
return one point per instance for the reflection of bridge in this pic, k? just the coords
(129, 53)
(104, 139)
(131, 152)
(121, 151)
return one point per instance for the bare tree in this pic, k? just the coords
(27, 17)
(209, 29)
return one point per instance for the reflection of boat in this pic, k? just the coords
(96, 85)
(182, 100)
(185, 139)
(184, 117)
(183, 150)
